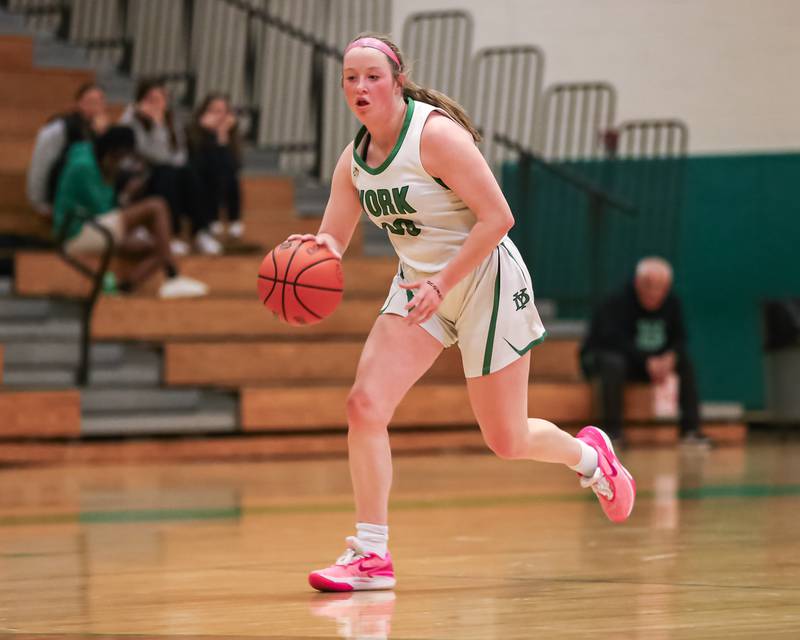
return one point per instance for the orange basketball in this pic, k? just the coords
(301, 282)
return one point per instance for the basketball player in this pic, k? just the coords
(416, 171)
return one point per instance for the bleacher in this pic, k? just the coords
(219, 377)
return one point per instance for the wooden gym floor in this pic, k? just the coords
(483, 548)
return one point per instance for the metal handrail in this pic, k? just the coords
(570, 177)
(598, 200)
(96, 277)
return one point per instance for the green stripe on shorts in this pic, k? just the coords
(487, 354)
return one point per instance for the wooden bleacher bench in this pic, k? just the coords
(40, 414)
(16, 53)
(39, 273)
(232, 364)
(41, 87)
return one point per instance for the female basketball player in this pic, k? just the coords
(415, 169)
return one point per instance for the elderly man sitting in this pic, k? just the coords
(639, 335)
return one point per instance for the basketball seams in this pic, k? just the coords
(275, 282)
(302, 304)
(300, 284)
(283, 291)
(309, 266)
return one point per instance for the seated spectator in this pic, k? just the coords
(86, 121)
(639, 335)
(85, 192)
(162, 145)
(215, 155)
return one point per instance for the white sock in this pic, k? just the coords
(374, 538)
(588, 462)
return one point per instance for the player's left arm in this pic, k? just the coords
(449, 153)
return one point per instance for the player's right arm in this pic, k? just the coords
(342, 211)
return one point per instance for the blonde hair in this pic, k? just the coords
(412, 90)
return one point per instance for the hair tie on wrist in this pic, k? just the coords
(436, 289)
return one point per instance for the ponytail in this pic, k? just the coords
(444, 102)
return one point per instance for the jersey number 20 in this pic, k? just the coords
(401, 227)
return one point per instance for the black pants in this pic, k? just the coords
(216, 167)
(612, 369)
(180, 187)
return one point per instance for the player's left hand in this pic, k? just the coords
(428, 295)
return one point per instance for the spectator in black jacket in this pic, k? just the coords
(160, 141)
(639, 335)
(87, 120)
(215, 155)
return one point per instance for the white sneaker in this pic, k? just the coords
(236, 230)
(182, 287)
(178, 247)
(217, 228)
(207, 244)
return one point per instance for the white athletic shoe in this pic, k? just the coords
(207, 244)
(182, 287)
(178, 247)
(236, 229)
(217, 228)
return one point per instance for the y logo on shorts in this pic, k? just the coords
(521, 298)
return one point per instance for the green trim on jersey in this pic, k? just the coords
(525, 350)
(441, 183)
(363, 131)
(487, 355)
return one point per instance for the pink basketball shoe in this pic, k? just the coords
(611, 482)
(356, 570)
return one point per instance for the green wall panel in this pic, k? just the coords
(736, 245)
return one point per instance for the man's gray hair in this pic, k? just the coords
(653, 264)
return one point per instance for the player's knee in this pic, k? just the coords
(506, 446)
(364, 410)
(157, 205)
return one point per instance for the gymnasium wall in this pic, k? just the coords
(726, 67)
(736, 248)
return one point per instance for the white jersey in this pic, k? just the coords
(426, 222)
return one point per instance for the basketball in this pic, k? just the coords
(301, 282)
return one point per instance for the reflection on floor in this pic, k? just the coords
(483, 549)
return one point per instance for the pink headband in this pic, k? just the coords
(374, 43)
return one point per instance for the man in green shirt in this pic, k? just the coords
(85, 193)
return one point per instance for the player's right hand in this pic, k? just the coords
(322, 239)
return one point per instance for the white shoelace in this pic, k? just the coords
(599, 484)
(354, 551)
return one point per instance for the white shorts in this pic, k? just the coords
(490, 313)
(90, 240)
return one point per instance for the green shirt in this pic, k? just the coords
(81, 193)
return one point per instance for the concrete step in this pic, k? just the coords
(115, 401)
(21, 309)
(140, 369)
(11, 23)
(51, 329)
(60, 353)
(217, 414)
